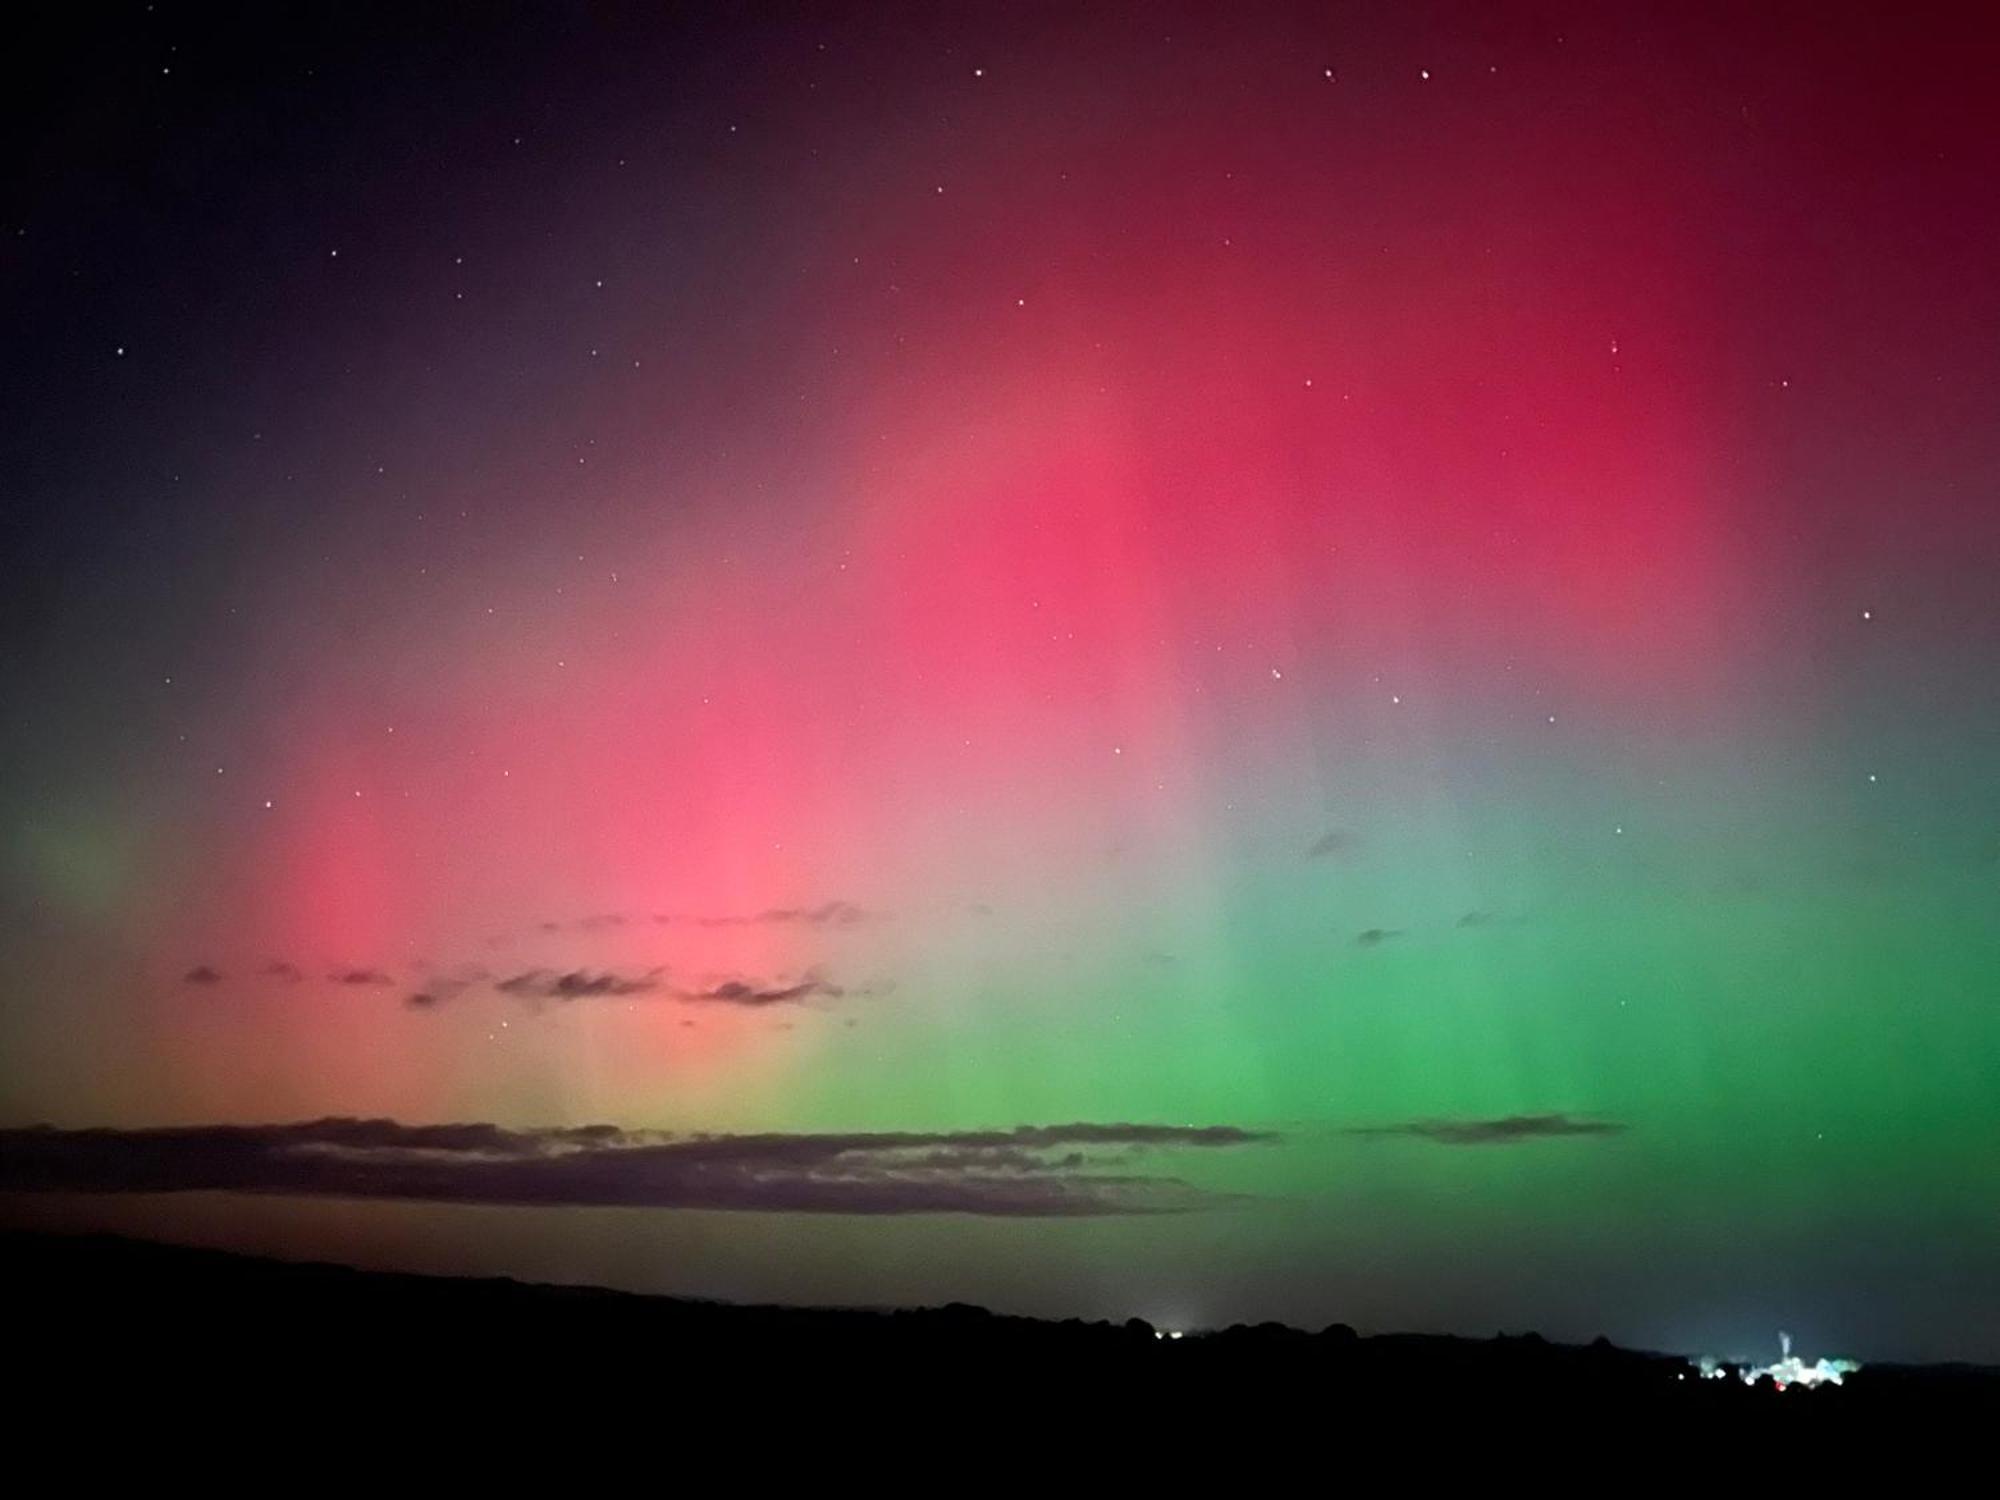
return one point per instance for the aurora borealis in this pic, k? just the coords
(1207, 662)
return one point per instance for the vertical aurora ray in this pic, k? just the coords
(1324, 580)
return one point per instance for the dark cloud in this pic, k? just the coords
(202, 974)
(578, 984)
(828, 914)
(279, 969)
(359, 976)
(1334, 841)
(582, 984)
(752, 993)
(1504, 1131)
(1028, 1172)
(443, 987)
(1375, 937)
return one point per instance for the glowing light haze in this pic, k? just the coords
(1416, 589)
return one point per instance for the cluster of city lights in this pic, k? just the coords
(1788, 1371)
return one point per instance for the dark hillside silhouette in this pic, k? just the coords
(219, 1330)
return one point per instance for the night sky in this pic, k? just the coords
(1213, 662)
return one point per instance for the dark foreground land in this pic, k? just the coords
(103, 1325)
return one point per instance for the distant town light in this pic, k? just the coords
(1789, 1370)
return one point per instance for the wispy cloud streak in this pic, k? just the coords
(1506, 1130)
(1044, 1171)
